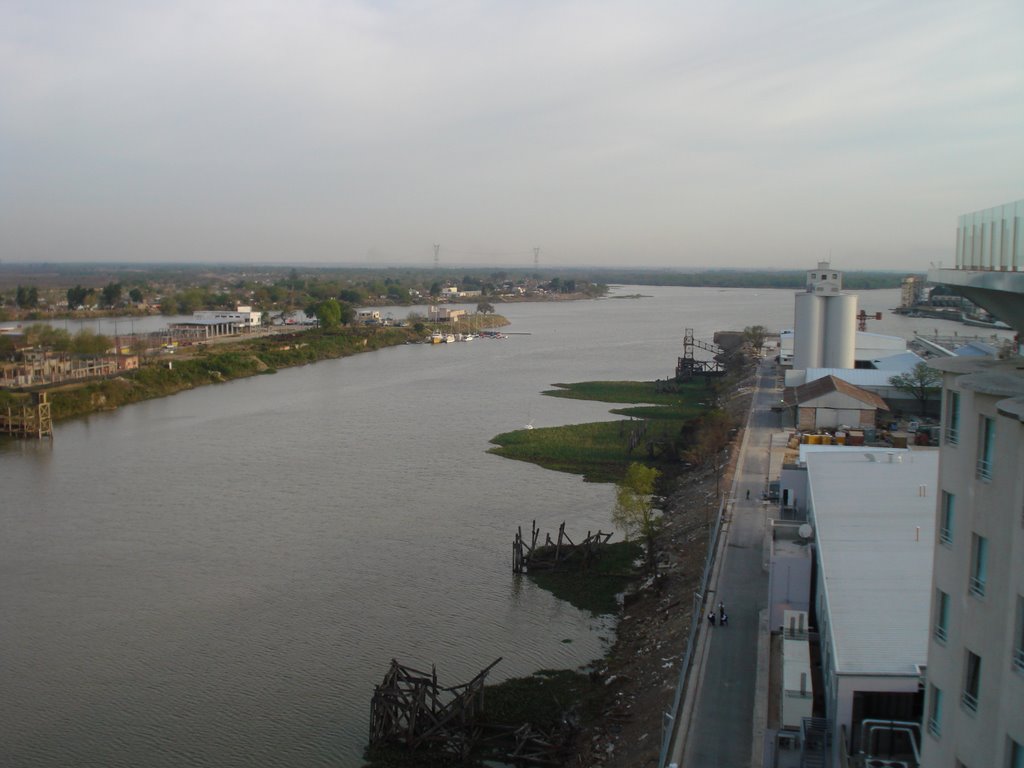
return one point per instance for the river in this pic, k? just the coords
(220, 577)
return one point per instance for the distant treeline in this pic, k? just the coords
(730, 278)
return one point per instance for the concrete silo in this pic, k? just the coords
(808, 325)
(825, 322)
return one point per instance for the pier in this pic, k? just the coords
(28, 420)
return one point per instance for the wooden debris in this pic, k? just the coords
(554, 555)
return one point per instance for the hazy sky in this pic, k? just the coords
(678, 134)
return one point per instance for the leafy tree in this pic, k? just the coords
(634, 508)
(110, 296)
(85, 342)
(922, 382)
(80, 297)
(755, 335)
(328, 313)
(27, 297)
(42, 335)
(484, 308)
(135, 294)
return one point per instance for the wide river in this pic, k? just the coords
(220, 577)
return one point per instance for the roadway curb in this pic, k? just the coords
(764, 645)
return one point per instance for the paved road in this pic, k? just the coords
(720, 732)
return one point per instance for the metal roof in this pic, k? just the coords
(875, 534)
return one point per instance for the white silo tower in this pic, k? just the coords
(808, 325)
(839, 346)
(825, 322)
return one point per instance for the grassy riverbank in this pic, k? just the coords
(221, 362)
(217, 364)
(653, 433)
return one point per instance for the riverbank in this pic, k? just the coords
(641, 669)
(219, 362)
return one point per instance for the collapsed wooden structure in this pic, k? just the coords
(554, 555)
(411, 710)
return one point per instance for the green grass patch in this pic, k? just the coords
(601, 451)
(596, 589)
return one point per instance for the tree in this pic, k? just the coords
(328, 313)
(484, 308)
(111, 294)
(85, 342)
(135, 294)
(704, 438)
(755, 335)
(79, 297)
(27, 297)
(922, 382)
(634, 508)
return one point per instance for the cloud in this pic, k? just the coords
(674, 133)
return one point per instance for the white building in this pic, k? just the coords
(872, 513)
(974, 707)
(825, 322)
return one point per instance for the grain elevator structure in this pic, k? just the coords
(825, 322)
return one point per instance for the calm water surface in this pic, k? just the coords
(220, 577)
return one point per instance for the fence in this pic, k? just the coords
(696, 620)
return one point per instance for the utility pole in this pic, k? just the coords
(437, 248)
(536, 258)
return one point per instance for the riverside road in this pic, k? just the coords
(718, 723)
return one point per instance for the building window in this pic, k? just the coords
(941, 615)
(952, 417)
(1018, 638)
(946, 514)
(979, 565)
(934, 711)
(972, 681)
(986, 446)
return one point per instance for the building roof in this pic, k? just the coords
(903, 362)
(860, 377)
(875, 528)
(823, 386)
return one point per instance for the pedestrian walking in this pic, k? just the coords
(724, 620)
(748, 494)
(711, 618)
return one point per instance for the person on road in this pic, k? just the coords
(722, 618)
(748, 494)
(711, 618)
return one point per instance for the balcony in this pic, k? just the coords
(940, 634)
(976, 586)
(952, 436)
(934, 727)
(1018, 659)
(969, 701)
(984, 470)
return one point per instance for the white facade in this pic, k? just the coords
(872, 514)
(244, 317)
(974, 711)
(825, 322)
(991, 239)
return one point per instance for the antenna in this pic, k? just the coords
(536, 257)
(437, 247)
